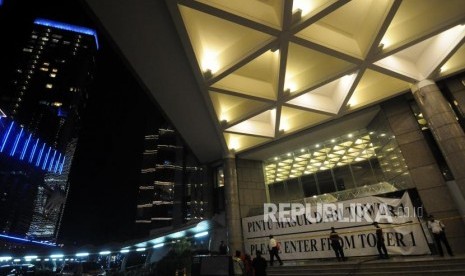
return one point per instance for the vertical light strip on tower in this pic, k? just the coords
(51, 161)
(18, 137)
(5, 137)
(31, 157)
(23, 153)
(46, 158)
(40, 155)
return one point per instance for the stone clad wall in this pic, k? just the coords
(424, 170)
(252, 189)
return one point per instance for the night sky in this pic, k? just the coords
(105, 172)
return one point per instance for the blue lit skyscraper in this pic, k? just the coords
(38, 130)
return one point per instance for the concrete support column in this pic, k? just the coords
(447, 133)
(233, 215)
(252, 189)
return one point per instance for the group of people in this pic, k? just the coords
(244, 265)
(436, 227)
(338, 248)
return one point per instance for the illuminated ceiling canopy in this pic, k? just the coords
(271, 68)
(334, 153)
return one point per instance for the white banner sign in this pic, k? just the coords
(306, 236)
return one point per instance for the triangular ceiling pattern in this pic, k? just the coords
(421, 60)
(215, 48)
(350, 29)
(239, 142)
(260, 125)
(306, 68)
(327, 98)
(313, 53)
(258, 78)
(295, 119)
(374, 87)
(270, 14)
(416, 18)
(231, 108)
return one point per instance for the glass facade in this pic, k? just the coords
(342, 166)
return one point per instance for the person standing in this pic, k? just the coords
(336, 245)
(223, 248)
(382, 251)
(273, 247)
(248, 265)
(238, 264)
(438, 229)
(259, 264)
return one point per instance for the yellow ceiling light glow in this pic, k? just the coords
(224, 118)
(310, 7)
(256, 78)
(290, 86)
(240, 142)
(328, 98)
(304, 5)
(347, 80)
(260, 125)
(422, 59)
(210, 61)
(234, 143)
(456, 61)
(386, 42)
(270, 10)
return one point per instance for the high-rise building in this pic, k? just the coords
(50, 87)
(38, 129)
(173, 188)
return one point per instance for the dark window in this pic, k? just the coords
(294, 189)
(344, 178)
(309, 185)
(325, 181)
